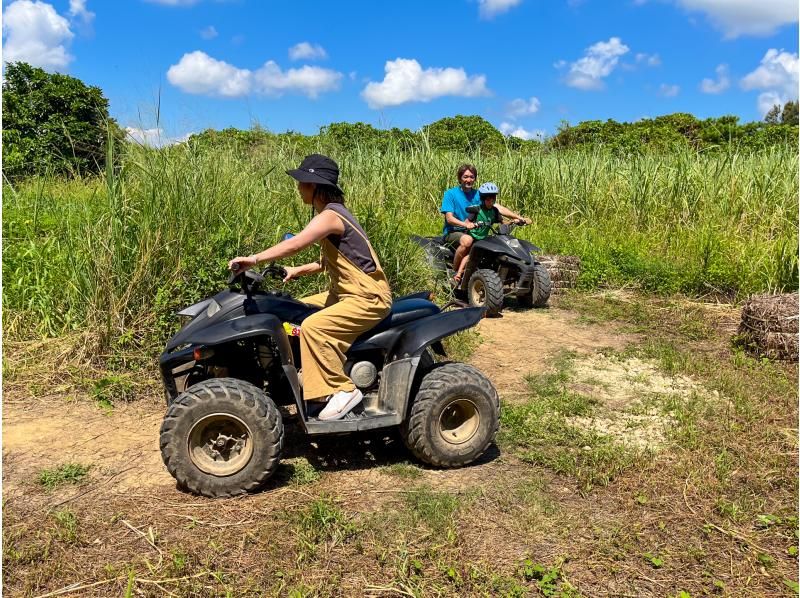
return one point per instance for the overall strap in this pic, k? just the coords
(346, 222)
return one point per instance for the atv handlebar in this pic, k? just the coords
(504, 228)
(249, 280)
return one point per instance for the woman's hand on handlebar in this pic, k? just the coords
(240, 263)
(292, 272)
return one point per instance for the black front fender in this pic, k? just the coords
(426, 331)
(247, 327)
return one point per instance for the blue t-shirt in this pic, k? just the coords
(456, 201)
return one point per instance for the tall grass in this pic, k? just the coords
(117, 254)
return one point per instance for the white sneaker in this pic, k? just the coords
(340, 404)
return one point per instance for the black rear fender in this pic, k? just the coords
(422, 333)
(402, 361)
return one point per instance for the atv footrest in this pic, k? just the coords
(353, 423)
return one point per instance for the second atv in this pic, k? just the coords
(499, 266)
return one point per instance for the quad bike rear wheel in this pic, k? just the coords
(540, 289)
(485, 289)
(454, 417)
(222, 437)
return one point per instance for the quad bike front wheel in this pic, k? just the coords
(540, 288)
(454, 417)
(485, 289)
(222, 437)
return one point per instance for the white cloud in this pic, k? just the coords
(78, 11)
(198, 73)
(512, 130)
(668, 91)
(35, 33)
(308, 80)
(209, 32)
(153, 137)
(307, 51)
(488, 9)
(778, 77)
(406, 81)
(648, 59)
(719, 85)
(770, 99)
(600, 60)
(778, 69)
(520, 107)
(745, 17)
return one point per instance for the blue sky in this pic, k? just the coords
(524, 65)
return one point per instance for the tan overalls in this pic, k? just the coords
(356, 302)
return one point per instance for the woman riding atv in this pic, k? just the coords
(359, 297)
(483, 219)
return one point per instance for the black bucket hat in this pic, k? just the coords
(318, 169)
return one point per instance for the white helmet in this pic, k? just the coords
(489, 189)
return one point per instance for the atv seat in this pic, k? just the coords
(404, 311)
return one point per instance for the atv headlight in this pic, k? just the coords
(513, 243)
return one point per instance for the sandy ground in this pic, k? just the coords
(524, 342)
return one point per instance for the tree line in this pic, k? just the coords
(55, 123)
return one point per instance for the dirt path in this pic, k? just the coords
(121, 446)
(524, 342)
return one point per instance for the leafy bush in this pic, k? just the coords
(53, 123)
(674, 131)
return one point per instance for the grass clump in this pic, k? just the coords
(301, 472)
(403, 470)
(67, 526)
(436, 510)
(321, 524)
(68, 473)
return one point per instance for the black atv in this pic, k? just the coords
(499, 265)
(238, 355)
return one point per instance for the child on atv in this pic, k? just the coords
(486, 215)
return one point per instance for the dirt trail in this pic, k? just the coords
(523, 342)
(122, 445)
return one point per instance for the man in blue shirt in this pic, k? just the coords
(454, 207)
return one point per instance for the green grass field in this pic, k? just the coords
(116, 255)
